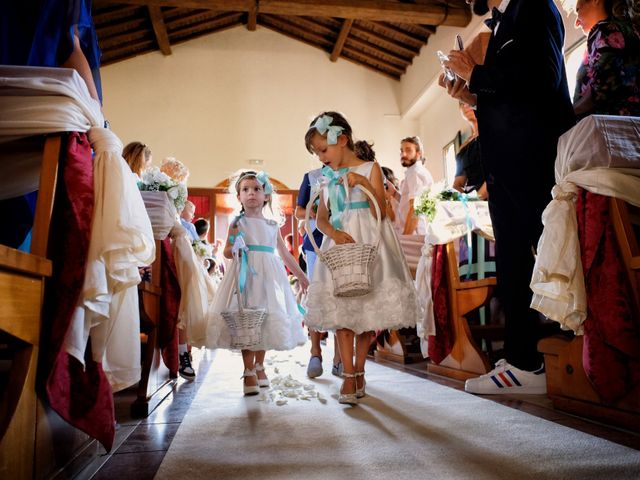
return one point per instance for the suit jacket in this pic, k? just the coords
(523, 99)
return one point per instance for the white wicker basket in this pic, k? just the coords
(350, 264)
(245, 324)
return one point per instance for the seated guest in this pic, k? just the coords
(469, 172)
(186, 216)
(607, 81)
(138, 157)
(202, 229)
(391, 193)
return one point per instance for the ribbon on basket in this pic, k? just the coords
(240, 247)
(337, 194)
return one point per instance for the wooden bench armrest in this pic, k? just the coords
(15, 260)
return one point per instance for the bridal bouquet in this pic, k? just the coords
(153, 180)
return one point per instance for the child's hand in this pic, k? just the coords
(354, 179)
(341, 237)
(303, 283)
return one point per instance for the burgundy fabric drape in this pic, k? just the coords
(441, 344)
(81, 396)
(611, 348)
(169, 307)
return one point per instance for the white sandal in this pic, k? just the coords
(262, 382)
(348, 398)
(249, 389)
(360, 391)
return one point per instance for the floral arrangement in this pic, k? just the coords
(202, 249)
(426, 203)
(154, 180)
(175, 169)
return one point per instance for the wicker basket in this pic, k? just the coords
(245, 324)
(350, 264)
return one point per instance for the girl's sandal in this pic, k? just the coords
(360, 391)
(249, 389)
(262, 382)
(348, 398)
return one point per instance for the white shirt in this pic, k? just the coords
(416, 180)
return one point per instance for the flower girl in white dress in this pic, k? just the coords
(264, 282)
(393, 303)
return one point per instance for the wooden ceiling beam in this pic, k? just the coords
(367, 35)
(128, 50)
(117, 28)
(160, 30)
(342, 37)
(367, 48)
(433, 13)
(210, 26)
(395, 33)
(252, 17)
(111, 14)
(197, 18)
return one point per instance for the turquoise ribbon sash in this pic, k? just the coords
(337, 194)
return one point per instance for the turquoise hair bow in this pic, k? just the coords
(323, 125)
(263, 179)
(337, 194)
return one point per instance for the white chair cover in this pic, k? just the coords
(601, 154)
(36, 100)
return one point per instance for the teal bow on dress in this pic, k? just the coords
(337, 194)
(323, 125)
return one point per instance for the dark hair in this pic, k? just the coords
(417, 142)
(136, 154)
(364, 151)
(202, 226)
(390, 176)
(337, 120)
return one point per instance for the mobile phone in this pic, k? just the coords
(459, 44)
(447, 72)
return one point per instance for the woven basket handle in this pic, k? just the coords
(317, 194)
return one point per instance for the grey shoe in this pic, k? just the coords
(314, 369)
(336, 369)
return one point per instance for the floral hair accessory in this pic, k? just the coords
(263, 179)
(323, 125)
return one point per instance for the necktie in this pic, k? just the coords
(496, 16)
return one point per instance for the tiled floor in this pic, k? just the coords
(140, 454)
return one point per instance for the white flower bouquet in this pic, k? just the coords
(154, 180)
(428, 199)
(202, 249)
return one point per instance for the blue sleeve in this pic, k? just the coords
(304, 194)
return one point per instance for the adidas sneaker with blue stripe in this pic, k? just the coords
(506, 379)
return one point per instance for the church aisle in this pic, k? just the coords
(143, 451)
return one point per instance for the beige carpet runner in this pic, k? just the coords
(406, 428)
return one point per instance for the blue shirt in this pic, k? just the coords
(190, 228)
(304, 195)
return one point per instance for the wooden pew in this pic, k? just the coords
(403, 346)
(22, 277)
(567, 383)
(466, 359)
(155, 382)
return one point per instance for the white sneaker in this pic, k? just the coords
(506, 379)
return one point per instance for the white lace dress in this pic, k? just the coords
(267, 286)
(393, 303)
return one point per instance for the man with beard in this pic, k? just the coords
(523, 106)
(416, 179)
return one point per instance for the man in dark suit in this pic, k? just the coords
(523, 106)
